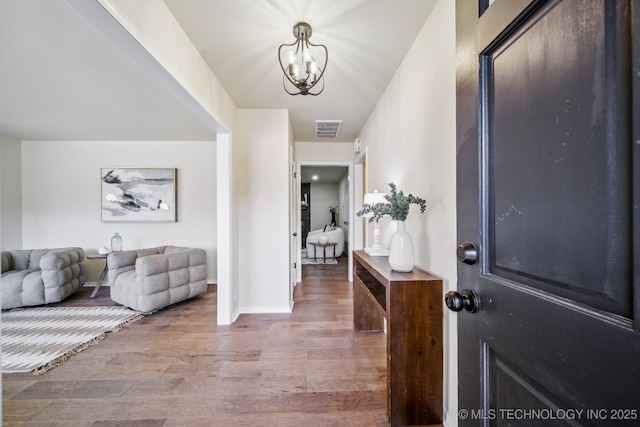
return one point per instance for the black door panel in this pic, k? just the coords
(548, 191)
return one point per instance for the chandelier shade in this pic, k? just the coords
(302, 72)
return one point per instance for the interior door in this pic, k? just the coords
(548, 164)
(294, 225)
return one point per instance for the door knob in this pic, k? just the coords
(466, 300)
(467, 253)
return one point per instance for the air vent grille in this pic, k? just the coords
(328, 129)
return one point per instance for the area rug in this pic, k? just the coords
(40, 338)
(305, 260)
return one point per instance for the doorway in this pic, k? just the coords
(325, 209)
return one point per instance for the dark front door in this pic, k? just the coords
(548, 169)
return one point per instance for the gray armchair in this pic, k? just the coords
(147, 280)
(40, 276)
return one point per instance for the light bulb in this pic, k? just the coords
(291, 56)
(306, 55)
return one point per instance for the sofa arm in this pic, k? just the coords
(61, 266)
(156, 273)
(119, 262)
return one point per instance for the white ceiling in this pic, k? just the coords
(322, 174)
(61, 77)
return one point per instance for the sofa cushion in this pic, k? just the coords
(35, 256)
(6, 261)
(150, 251)
(20, 259)
(27, 259)
(174, 249)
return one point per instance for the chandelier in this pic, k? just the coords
(302, 71)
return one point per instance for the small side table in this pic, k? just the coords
(102, 275)
(324, 246)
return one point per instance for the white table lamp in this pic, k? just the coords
(376, 249)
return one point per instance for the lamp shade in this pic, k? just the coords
(373, 198)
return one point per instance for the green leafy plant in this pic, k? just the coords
(396, 206)
(333, 209)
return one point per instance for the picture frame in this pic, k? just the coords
(138, 194)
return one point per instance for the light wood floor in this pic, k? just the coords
(177, 368)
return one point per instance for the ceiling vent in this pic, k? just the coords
(328, 129)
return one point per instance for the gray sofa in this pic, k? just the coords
(147, 280)
(40, 276)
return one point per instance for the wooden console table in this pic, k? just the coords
(411, 303)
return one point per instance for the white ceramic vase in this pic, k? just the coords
(401, 250)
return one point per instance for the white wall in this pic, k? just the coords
(324, 151)
(261, 191)
(344, 208)
(322, 196)
(176, 60)
(411, 141)
(61, 196)
(10, 194)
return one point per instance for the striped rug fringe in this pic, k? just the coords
(58, 360)
(37, 339)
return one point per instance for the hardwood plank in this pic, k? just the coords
(130, 423)
(176, 367)
(75, 389)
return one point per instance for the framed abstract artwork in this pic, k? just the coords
(138, 194)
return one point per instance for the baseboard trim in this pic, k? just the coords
(93, 284)
(265, 310)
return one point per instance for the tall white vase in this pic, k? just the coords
(401, 250)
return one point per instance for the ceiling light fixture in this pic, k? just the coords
(302, 70)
